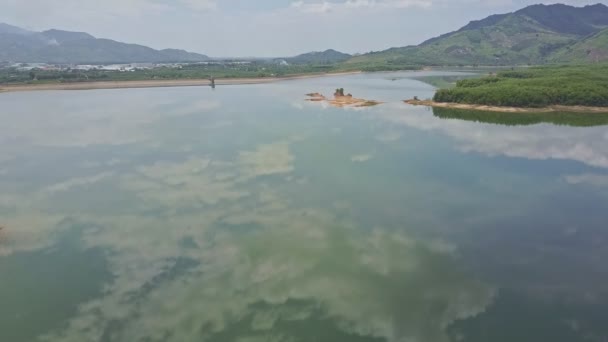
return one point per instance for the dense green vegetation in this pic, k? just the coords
(192, 71)
(524, 119)
(189, 71)
(534, 87)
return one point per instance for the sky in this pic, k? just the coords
(261, 28)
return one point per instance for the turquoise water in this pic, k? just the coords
(246, 213)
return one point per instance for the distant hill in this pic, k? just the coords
(66, 36)
(591, 49)
(56, 46)
(5, 28)
(323, 57)
(529, 36)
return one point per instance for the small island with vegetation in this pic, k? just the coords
(574, 88)
(342, 100)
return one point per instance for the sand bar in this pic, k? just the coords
(549, 109)
(342, 100)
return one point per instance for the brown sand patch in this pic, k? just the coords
(574, 109)
(341, 101)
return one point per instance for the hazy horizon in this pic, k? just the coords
(269, 28)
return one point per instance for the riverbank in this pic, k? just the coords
(159, 83)
(501, 109)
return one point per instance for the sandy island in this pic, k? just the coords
(158, 83)
(341, 100)
(550, 109)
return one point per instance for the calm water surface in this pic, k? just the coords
(245, 213)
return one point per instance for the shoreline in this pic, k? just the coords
(160, 83)
(485, 108)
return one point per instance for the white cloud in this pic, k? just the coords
(588, 178)
(323, 7)
(77, 182)
(199, 5)
(329, 6)
(361, 158)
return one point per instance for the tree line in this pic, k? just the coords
(534, 88)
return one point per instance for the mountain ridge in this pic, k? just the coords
(531, 35)
(68, 47)
(536, 34)
(593, 48)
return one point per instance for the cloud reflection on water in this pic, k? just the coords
(212, 246)
(367, 282)
(588, 145)
(88, 119)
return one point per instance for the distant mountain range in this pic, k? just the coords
(534, 35)
(56, 46)
(319, 57)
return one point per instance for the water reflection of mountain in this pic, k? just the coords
(524, 119)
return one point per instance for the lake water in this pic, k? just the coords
(246, 213)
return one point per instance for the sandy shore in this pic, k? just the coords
(158, 83)
(550, 109)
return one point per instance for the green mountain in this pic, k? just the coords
(591, 49)
(323, 57)
(529, 36)
(56, 46)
